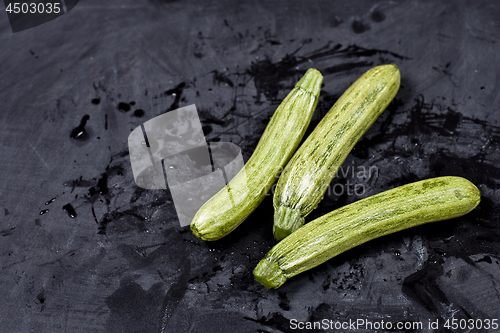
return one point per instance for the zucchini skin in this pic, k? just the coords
(227, 209)
(403, 207)
(310, 171)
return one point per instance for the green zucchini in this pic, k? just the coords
(307, 176)
(222, 213)
(378, 215)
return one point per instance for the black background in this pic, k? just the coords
(122, 263)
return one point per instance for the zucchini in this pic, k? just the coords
(307, 176)
(378, 215)
(227, 209)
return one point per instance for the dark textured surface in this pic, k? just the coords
(84, 250)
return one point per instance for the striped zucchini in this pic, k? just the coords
(222, 213)
(310, 171)
(387, 212)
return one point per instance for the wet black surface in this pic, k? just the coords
(85, 250)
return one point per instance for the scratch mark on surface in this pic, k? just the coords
(39, 155)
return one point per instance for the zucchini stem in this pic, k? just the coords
(269, 274)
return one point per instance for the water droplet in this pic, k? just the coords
(79, 131)
(123, 107)
(70, 210)
(139, 113)
(50, 201)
